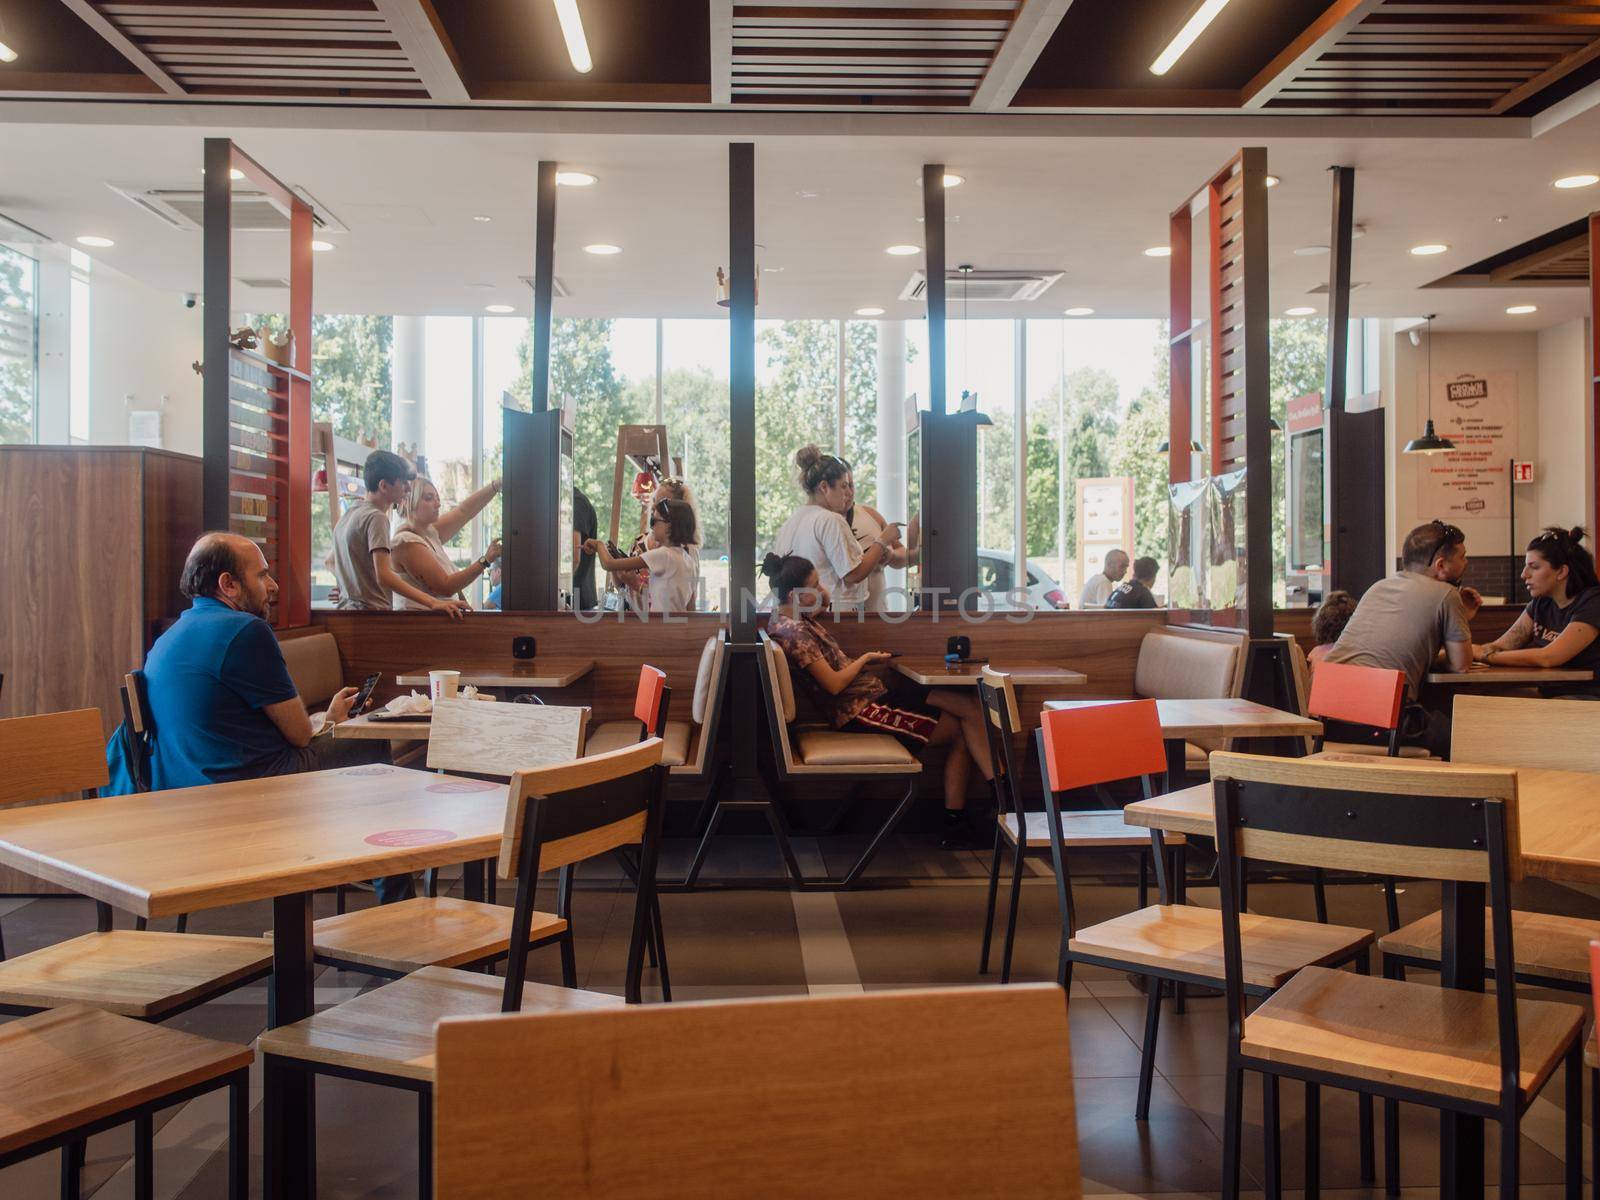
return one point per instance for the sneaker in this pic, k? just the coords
(959, 831)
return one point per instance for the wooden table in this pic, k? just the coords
(365, 728)
(546, 671)
(1481, 675)
(931, 671)
(162, 853)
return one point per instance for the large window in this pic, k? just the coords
(19, 341)
(694, 407)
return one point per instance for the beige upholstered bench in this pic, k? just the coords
(1178, 663)
(688, 744)
(315, 667)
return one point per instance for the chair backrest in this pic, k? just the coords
(1384, 817)
(314, 666)
(684, 1101)
(137, 709)
(647, 699)
(706, 708)
(1005, 698)
(487, 738)
(998, 697)
(778, 689)
(1187, 665)
(1359, 695)
(1100, 743)
(50, 754)
(1517, 731)
(557, 816)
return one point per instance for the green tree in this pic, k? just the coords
(17, 322)
(353, 386)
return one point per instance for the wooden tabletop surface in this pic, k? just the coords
(364, 727)
(544, 672)
(1221, 717)
(932, 671)
(1558, 815)
(1482, 675)
(157, 854)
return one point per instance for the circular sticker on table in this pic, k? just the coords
(455, 787)
(409, 837)
(366, 771)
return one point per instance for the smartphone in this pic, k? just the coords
(611, 548)
(365, 694)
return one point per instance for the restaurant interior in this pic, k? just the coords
(1096, 726)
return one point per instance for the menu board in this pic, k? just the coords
(1105, 521)
(1478, 412)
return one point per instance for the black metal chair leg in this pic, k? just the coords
(569, 961)
(430, 883)
(705, 845)
(659, 933)
(1013, 904)
(239, 1136)
(1144, 882)
(1510, 1156)
(1594, 1125)
(144, 1151)
(1319, 892)
(72, 1156)
(1271, 1145)
(1232, 1132)
(1364, 1106)
(141, 924)
(1391, 903)
(425, 1145)
(1391, 1118)
(183, 922)
(338, 900)
(1313, 1184)
(1147, 1058)
(1574, 1122)
(994, 895)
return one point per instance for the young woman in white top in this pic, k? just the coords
(868, 525)
(819, 533)
(671, 562)
(417, 547)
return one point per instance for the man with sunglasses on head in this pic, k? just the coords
(1403, 622)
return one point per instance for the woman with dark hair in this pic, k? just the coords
(857, 698)
(1561, 625)
(673, 567)
(819, 533)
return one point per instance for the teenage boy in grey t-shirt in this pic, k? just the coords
(361, 543)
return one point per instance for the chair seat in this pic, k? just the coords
(1188, 940)
(1084, 829)
(863, 753)
(390, 1030)
(614, 735)
(135, 974)
(72, 1066)
(1370, 750)
(1547, 946)
(1196, 758)
(425, 932)
(1436, 1040)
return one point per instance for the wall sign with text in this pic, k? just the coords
(1478, 412)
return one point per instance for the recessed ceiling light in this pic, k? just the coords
(807, 195)
(7, 54)
(1301, 310)
(322, 247)
(951, 181)
(481, 219)
(95, 240)
(233, 173)
(1428, 248)
(1273, 181)
(1080, 312)
(773, 270)
(1577, 181)
(1309, 251)
(498, 308)
(576, 179)
(572, 30)
(902, 250)
(602, 248)
(1192, 29)
(869, 312)
(1158, 252)
(1521, 310)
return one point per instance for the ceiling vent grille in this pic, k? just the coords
(985, 286)
(253, 211)
(266, 284)
(18, 234)
(558, 290)
(1322, 289)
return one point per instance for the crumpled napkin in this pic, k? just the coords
(414, 704)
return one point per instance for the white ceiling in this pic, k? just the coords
(1087, 205)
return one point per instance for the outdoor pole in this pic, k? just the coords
(544, 269)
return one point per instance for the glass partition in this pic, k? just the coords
(19, 366)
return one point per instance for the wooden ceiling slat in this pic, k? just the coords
(887, 70)
(286, 38)
(124, 12)
(408, 74)
(287, 45)
(307, 60)
(942, 57)
(864, 44)
(795, 14)
(314, 93)
(854, 84)
(1357, 87)
(972, 28)
(789, 90)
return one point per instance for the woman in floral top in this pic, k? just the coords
(856, 698)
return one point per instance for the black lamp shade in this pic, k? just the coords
(1430, 442)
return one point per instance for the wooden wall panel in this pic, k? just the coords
(1490, 623)
(171, 526)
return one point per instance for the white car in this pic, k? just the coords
(995, 574)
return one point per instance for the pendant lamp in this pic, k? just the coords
(1430, 442)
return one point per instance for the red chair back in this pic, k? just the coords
(1360, 695)
(647, 701)
(1101, 743)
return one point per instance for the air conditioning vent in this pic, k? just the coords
(266, 284)
(985, 286)
(558, 290)
(253, 211)
(1322, 289)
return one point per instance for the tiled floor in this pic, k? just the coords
(917, 925)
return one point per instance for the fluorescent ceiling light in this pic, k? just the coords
(1273, 181)
(869, 312)
(572, 30)
(1158, 252)
(322, 247)
(498, 308)
(481, 219)
(1080, 312)
(576, 179)
(602, 248)
(1521, 310)
(1309, 251)
(1577, 181)
(1192, 29)
(902, 251)
(1428, 248)
(7, 54)
(1299, 311)
(951, 181)
(95, 240)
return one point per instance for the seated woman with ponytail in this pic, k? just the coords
(856, 697)
(1561, 625)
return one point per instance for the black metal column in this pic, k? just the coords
(742, 393)
(216, 277)
(1257, 396)
(934, 269)
(544, 269)
(1344, 207)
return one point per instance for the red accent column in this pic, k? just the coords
(1181, 353)
(1594, 354)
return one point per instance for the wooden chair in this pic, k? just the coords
(76, 1071)
(808, 753)
(392, 940)
(140, 735)
(148, 975)
(1450, 1049)
(1089, 747)
(703, 1099)
(555, 817)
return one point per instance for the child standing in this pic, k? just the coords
(674, 570)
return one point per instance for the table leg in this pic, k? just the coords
(289, 1106)
(1177, 764)
(472, 880)
(1461, 1137)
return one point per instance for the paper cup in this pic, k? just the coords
(442, 685)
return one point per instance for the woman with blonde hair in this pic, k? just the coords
(417, 547)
